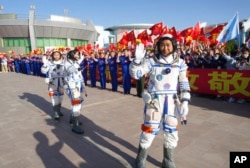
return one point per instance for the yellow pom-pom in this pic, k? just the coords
(138, 41)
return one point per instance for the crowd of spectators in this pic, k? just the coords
(205, 57)
(196, 56)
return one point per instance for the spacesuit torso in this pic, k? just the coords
(55, 73)
(74, 77)
(165, 74)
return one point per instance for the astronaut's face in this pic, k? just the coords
(166, 47)
(56, 56)
(77, 56)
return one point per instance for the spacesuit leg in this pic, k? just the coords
(76, 102)
(170, 127)
(55, 100)
(56, 114)
(146, 140)
(168, 160)
(60, 105)
(150, 129)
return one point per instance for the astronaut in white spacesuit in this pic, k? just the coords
(53, 68)
(75, 87)
(167, 84)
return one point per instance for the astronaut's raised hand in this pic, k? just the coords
(139, 53)
(184, 112)
(45, 60)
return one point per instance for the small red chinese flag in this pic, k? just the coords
(156, 29)
(131, 36)
(196, 31)
(173, 32)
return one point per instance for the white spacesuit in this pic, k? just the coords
(167, 74)
(74, 87)
(54, 70)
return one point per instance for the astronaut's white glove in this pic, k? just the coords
(184, 112)
(139, 53)
(45, 60)
(47, 81)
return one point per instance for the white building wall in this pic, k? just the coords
(103, 38)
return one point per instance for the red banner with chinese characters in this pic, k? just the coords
(233, 83)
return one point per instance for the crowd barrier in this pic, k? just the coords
(230, 83)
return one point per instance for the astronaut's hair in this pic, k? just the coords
(166, 37)
(70, 55)
(53, 53)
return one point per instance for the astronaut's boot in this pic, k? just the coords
(59, 109)
(56, 114)
(168, 158)
(71, 120)
(141, 157)
(76, 126)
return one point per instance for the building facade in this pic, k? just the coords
(23, 35)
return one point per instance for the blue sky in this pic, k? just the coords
(108, 13)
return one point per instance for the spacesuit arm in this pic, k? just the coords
(81, 58)
(184, 83)
(45, 67)
(184, 91)
(137, 71)
(139, 66)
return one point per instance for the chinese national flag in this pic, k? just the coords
(186, 32)
(124, 40)
(217, 29)
(89, 47)
(131, 36)
(112, 47)
(156, 29)
(196, 31)
(144, 37)
(164, 30)
(214, 33)
(173, 32)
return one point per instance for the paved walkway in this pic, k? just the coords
(29, 138)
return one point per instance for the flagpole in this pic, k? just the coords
(238, 29)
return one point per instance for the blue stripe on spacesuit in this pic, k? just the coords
(161, 92)
(57, 93)
(58, 83)
(162, 65)
(47, 74)
(165, 106)
(166, 127)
